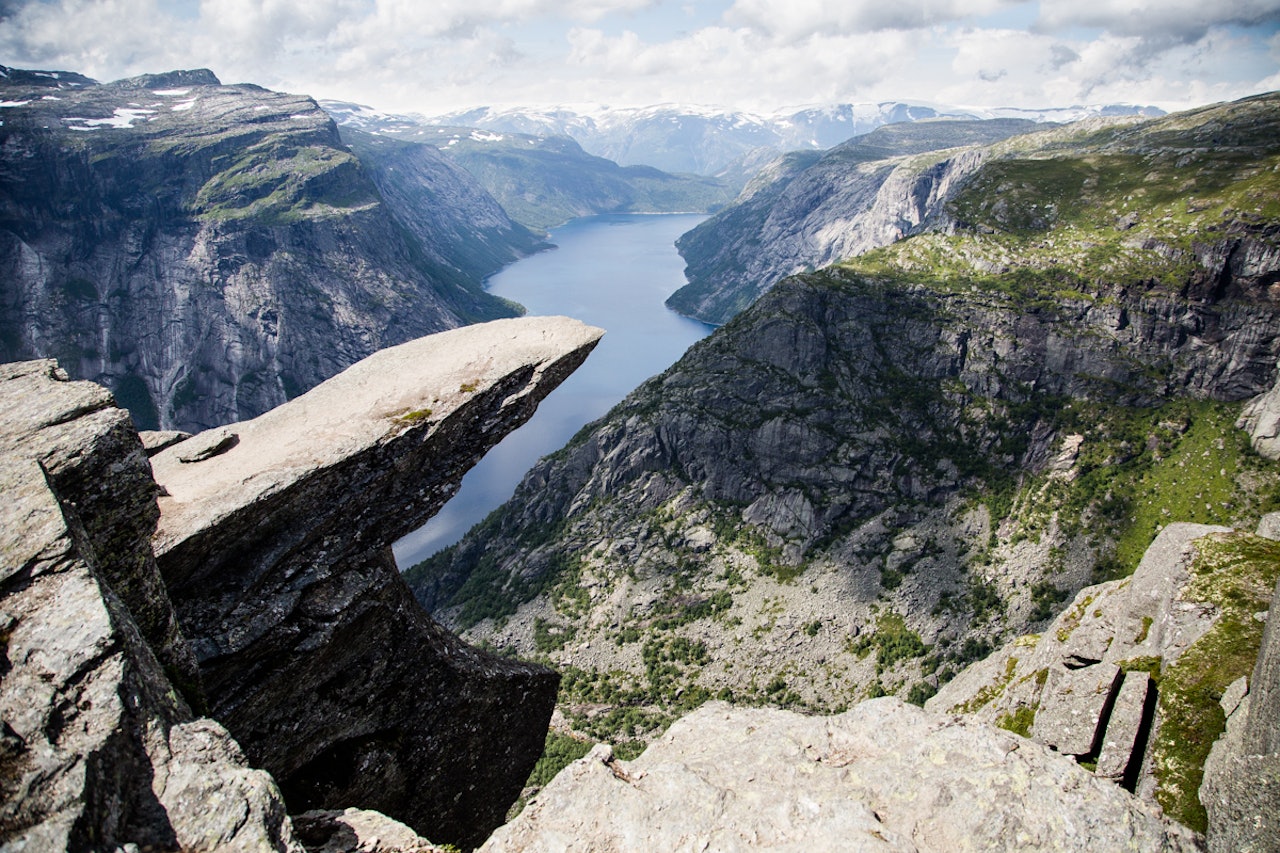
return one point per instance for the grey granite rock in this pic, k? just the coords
(96, 747)
(883, 776)
(357, 831)
(1117, 760)
(1073, 708)
(276, 552)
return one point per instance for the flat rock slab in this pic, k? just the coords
(1072, 708)
(414, 385)
(883, 776)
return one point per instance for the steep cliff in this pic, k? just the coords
(807, 210)
(270, 570)
(210, 251)
(879, 471)
(99, 750)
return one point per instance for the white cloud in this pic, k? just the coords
(1188, 20)
(760, 54)
(796, 19)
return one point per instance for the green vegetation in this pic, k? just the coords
(558, 753)
(891, 640)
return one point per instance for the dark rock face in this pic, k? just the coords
(97, 748)
(312, 649)
(209, 251)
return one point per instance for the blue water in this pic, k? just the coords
(610, 271)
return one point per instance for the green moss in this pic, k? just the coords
(558, 752)
(1020, 720)
(989, 692)
(891, 640)
(413, 416)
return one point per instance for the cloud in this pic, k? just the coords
(759, 54)
(798, 19)
(1186, 20)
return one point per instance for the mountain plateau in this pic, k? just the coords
(209, 251)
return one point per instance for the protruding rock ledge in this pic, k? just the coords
(275, 548)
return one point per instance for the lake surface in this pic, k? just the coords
(614, 272)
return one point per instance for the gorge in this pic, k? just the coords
(1004, 448)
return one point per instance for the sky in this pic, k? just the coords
(755, 55)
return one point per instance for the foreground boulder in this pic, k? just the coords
(96, 747)
(882, 776)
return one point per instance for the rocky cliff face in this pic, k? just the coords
(209, 251)
(274, 578)
(805, 211)
(880, 471)
(99, 750)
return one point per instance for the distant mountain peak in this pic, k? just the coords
(170, 80)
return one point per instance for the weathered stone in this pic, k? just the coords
(1261, 419)
(153, 441)
(95, 463)
(276, 552)
(1134, 623)
(1073, 705)
(1130, 719)
(96, 748)
(357, 831)
(883, 776)
(1269, 526)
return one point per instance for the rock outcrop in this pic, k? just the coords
(209, 251)
(97, 748)
(882, 776)
(275, 602)
(1241, 789)
(274, 542)
(1129, 677)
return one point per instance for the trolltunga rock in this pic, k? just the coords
(275, 544)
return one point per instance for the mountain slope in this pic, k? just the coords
(879, 470)
(806, 211)
(544, 181)
(208, 251)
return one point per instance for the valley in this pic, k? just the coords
(963, 442)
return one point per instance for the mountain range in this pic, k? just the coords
(209, 251)
(991, 426)
(711, 141)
